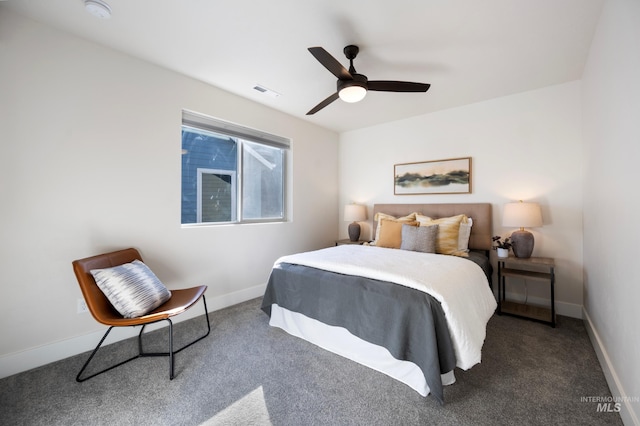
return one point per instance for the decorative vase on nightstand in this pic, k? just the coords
(502, 252)
(354, 213)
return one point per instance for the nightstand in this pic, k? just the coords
(348, 241)
(532, 268)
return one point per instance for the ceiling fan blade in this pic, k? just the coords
(330, 63)
(323, 103)
(397, 86)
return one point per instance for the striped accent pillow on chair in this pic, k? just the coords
(132, 288)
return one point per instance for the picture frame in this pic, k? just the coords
(450, 176)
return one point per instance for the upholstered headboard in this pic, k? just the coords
(481, 231)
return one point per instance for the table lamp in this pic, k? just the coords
(522, 215)
(354, 213)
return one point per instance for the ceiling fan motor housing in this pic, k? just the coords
(358, 80)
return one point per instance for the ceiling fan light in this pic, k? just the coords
(353, 93)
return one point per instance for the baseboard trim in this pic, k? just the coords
(627, 413)
(18, 362)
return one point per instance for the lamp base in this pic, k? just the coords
(522, 244)
(354, 231)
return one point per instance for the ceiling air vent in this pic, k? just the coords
(266, 91)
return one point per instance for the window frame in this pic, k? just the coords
(239, 134)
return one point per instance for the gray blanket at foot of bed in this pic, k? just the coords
(408, 322)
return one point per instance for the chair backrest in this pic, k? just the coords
(97, 302)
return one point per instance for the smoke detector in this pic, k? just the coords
(98, 8)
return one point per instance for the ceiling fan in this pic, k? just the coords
(352, 87)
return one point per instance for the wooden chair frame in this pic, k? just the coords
(103, 312)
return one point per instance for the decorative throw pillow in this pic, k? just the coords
(419, 238)
(131, 288)
(379, 216)
(464, 231)
(391, 233)
(423, 220)
(448, 233)
(463, 236)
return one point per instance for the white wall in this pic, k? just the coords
(91, 162)
(611, 102)
(525, 146)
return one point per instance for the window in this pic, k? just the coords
(230, 174)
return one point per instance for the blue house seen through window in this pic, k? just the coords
(209, 167)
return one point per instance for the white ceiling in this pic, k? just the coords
(468, 50)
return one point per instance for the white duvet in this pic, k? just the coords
(458, 284)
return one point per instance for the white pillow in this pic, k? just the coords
(464, 234)
(131, 288)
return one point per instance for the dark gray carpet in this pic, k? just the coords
(247, 373)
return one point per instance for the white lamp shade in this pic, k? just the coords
(355, 213)
(352, 93)
(522, 215)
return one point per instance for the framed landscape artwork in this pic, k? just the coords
(452, 176)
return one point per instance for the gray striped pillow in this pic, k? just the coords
(131, 288)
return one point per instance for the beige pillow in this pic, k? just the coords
(391, 232)
(379, 216)
(448, 233)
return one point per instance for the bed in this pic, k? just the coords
(412, 315)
